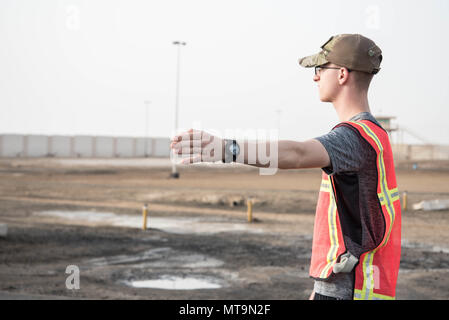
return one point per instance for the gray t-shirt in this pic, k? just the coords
(349, 154)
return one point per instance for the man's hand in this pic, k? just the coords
(198, 146)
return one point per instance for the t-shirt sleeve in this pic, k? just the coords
(344, 148)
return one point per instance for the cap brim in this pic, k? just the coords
(313, 60)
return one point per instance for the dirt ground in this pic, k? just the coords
(88, 213)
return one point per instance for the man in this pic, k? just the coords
(356, 241)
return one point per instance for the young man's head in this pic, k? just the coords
(346, 63)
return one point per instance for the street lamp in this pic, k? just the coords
(147, 105)
(174, 173)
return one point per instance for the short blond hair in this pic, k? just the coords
(362, 79)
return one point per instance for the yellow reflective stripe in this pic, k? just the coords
(394, 196)
(332, 221)
(383, 181)
(368, 283)
(383, 297)
(325, 186)
(385, 197)
(394, 193)
(375, 296)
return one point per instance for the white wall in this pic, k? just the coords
(82, 146)
(60, 146)
(11, 145)
(104, 147)
(140, 147)
(124, 147)
(161, 147)
(36, 146)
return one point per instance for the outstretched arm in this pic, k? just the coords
(298, 155)
(200, 146)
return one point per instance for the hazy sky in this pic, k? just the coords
(86, 67)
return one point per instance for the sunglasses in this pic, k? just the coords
(319, 68)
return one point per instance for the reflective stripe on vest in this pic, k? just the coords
(386, 199)
(376, 272)
(332, 221)
(328, 238)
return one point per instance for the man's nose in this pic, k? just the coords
(316, 78)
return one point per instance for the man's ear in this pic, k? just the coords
(343, 75)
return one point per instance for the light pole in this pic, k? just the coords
(174, 172)
(147, 105)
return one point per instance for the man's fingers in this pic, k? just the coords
(199, 145)
(192, 159)
(188, 150)
(191, 143)
(206, 154)
(187, 143)
(191, 134)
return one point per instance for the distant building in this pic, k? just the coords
(385, 122)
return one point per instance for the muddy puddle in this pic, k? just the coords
(424, 247)
(421, 257)
(163, 268)
(158, 258)
(175, 283)
(180, 225)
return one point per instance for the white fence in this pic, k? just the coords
(420, 152)
(30, 146)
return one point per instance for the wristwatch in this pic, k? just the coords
(231, 151)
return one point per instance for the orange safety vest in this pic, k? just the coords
(377, 269)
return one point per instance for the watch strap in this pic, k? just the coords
(229, 156)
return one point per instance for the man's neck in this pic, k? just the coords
(348, 106)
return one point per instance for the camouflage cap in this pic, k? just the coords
(352, 51)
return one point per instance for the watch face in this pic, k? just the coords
(234, 148)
